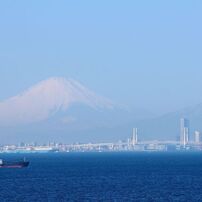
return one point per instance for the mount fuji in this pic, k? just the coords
(60, 109)
(45, 99)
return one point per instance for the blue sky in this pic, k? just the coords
(144, 54)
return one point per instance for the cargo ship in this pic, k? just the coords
(10, 164)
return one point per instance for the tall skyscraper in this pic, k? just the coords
(134, 136)
(184, 131)
(197, 137)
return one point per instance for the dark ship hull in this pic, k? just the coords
(14, 164)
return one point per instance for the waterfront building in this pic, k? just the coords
(184, 131)
(134, 140)
(197, 137)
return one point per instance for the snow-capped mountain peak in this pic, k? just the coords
(46, 98)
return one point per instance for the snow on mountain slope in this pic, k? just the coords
(46, 98)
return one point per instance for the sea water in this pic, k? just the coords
(104, 177)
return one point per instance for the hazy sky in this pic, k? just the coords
(139, 53)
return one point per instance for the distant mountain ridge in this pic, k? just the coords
(60, 109)
(63, 109)
(167, 126)
(46, 98)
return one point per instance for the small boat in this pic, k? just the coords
(11, 164)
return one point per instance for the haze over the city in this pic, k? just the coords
(90, 71)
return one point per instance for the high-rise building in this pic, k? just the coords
(134, 136)
(197, 137)
(184, 131)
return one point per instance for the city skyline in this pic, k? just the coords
(184, 139)
(184, 143)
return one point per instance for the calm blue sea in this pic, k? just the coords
(104, 177)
